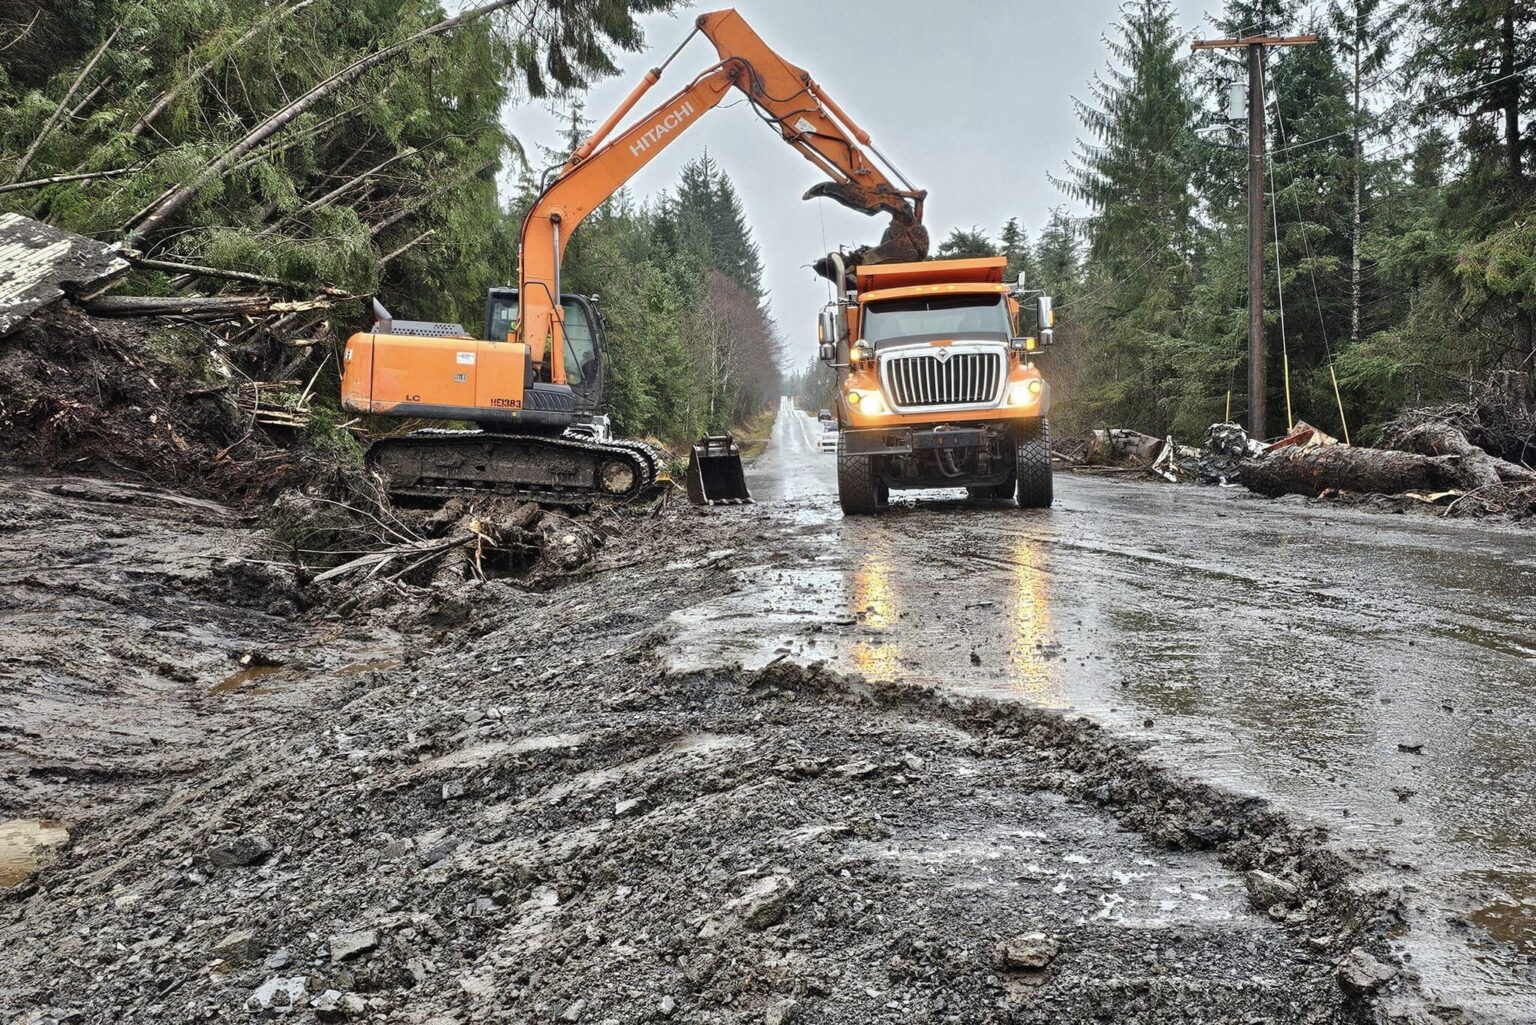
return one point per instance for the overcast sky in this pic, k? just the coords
(972, 100)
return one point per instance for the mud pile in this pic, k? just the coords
(149, 401)
(519, 814)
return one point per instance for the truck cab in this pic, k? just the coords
(938, 385)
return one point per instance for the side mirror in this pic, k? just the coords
(1020, 285)
(1045, 313)
(827, 351)
(826, 327)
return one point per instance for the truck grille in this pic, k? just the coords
(956, 379)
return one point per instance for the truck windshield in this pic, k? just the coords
(950, 316)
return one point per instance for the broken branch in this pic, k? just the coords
(280, 120)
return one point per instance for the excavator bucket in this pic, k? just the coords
(715, 474)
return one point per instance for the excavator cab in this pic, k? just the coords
(583, 340)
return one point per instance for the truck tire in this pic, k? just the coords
(1035, 488)
(859, 489)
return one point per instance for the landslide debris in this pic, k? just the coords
(152, 402)
(528, 818)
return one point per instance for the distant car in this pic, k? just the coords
(828, 441)
(825, 416)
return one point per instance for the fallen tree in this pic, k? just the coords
(1315, 471)
(1429, 453)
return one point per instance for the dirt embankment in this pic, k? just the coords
(490, 801)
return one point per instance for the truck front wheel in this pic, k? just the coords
(1035, 489)
(859, 489)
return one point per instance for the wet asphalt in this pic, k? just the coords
(1374, 673)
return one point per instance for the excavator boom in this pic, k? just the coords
(539, 433)
(783, 95)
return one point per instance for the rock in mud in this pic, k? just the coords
(1361, 974)
(1266, 890)
(1030, 952)
(240, 947)
(240, 851)
(781, 1012)
(278, 993)
(350, 944)
(765, 902)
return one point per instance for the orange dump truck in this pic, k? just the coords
(938, 385)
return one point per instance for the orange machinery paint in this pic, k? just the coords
(452, 378)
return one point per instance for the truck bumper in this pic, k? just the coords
(901, 441)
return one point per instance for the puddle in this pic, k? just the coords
(358, 668)
(26, 845)
(237, 680)
(1511, 916)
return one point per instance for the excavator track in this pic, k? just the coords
(562, 469)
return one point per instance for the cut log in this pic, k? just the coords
(219, 307)
(1122, 447)
(1312, 471)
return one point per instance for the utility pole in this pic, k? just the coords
(1257, 378)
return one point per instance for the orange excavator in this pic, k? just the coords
(533, 383)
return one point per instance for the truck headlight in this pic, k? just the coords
(869, 402)
(1022, 393)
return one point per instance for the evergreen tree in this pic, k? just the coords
(1058, 260)
(1472, 66)
(1136, 176)
(1363, 32)
(961, 245)
(1014, 241)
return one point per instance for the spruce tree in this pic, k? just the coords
(1014, 242)
(1135, 173)
(961, 244)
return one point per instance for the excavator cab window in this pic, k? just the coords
(583, 351)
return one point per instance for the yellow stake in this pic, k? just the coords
(1340, 400)
(1285, 357)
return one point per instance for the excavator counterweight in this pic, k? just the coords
(533, 382)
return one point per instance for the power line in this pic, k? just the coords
(1403, 114)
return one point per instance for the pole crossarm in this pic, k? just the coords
(1222, 44)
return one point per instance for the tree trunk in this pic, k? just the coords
(387, 257)
(1511, 92)
(1312, 471)
(1359, 171)
(170, 95)
(38, 183)
(42, 136)
(288, 114)
(194, 270)
(1444, 461)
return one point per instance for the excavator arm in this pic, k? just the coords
(784, 95)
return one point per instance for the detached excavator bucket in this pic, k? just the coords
(715, 474)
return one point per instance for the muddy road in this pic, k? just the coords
(1157, 755)
(1373, 673)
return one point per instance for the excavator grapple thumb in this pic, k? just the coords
(715, 474)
